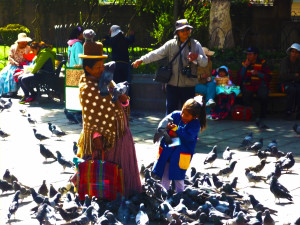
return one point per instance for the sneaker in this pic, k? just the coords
(210, 103)
(29, 99)
(22, 100)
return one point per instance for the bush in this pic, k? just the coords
(10, 33)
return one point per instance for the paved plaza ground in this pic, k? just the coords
(20, 153)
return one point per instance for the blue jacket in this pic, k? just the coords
(180, 156)
(73, 51)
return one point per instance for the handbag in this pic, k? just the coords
(99, 178)
(164, 73)
(242, 113)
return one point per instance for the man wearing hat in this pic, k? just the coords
(289, 78)
(119, 44)
(254, 78)
(16, 60)
(105, 123)
(181, 86)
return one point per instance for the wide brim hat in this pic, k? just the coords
(207, 51)
(181, 24)
(114, 30)
(22, 37)
(293, 46)
(91, 49)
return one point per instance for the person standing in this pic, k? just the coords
(105, 123)
(254, 78)
(289, 78)
(181, 86)
(119, 44)
(16, 60)
(75, 47)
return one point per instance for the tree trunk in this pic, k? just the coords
(220, 27)
(175, 11)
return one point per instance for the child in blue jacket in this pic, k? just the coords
(174, 159)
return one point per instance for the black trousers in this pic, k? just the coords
(262, 94)
(293, 91)
(177, 96)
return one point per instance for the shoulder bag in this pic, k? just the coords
(163, 73)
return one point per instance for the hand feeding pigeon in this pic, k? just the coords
(120, 89)
(46, 152)
(162, 130)
(211, 156)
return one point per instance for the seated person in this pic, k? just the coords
(289, 78)
(206, 86)
(254, 78)
(16, 60)
(43, 69)
(226, 93)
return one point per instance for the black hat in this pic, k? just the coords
(252, 50)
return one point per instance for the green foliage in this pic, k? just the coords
(10, 33)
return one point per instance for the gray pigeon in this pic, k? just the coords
(252, 177)
(106, 78)
(227, 154)
(256, 146)
(39, 136)
(46, 152)
(7, 105)
(247, 141)
(14, 205)
(62, 161)
(211, 156)
(279, 191)
(142, 217)
(287, 162)
(120, 89)
(268, 220)
(162, 130)
(227, 170)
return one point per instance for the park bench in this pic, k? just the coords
(50, 84)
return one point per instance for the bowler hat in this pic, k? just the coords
(91, 49)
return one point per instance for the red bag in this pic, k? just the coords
(99, 178)
(243, 113)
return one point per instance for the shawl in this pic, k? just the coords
(99, 115)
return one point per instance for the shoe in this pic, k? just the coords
(210, 103)
(22, 100)
(30, 99)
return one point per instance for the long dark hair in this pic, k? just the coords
(198, 110)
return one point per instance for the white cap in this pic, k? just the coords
(114, 30)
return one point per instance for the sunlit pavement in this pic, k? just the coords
(20, 154)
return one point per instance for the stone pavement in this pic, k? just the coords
(20, 153)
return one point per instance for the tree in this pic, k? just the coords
(220, 27)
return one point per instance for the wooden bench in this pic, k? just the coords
(274, 84)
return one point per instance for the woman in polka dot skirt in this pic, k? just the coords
(105, 124)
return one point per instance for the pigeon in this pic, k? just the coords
(123, 212)
(55, 200)
(253, 177)
(38, 198)
(56, 130)
(296, 128)
(268, 220)
(106, 78)
(23, 111)
(78, 116)
(263, 154)
(256, 205)
(3, 134)
(216, 181)
(276, 172)
(30, 119)
(240, 219)
(279, 191)
(234, 182)
(90, 215)
(162, 130)
(120, 89)
(46, 213)
(14, 205)
(257, 220)
(25, 192)
(227, 170)
(52, 191)
(258, 167)
(247, 141)
(256, 146)
(70, 116)
(67, 216)
(7, 105)
(261, 125)
(46, 153)
(62, 161)
(43, 190)
(142, 217)
(5, 186)
(272, 144)
(211, 156)
(69, 203)
(10, 178)
(287, 162)
(227, 154)
(75, 147)
(39, 136)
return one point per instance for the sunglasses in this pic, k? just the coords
(185, 29)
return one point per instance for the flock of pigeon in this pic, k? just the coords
(207, 198)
